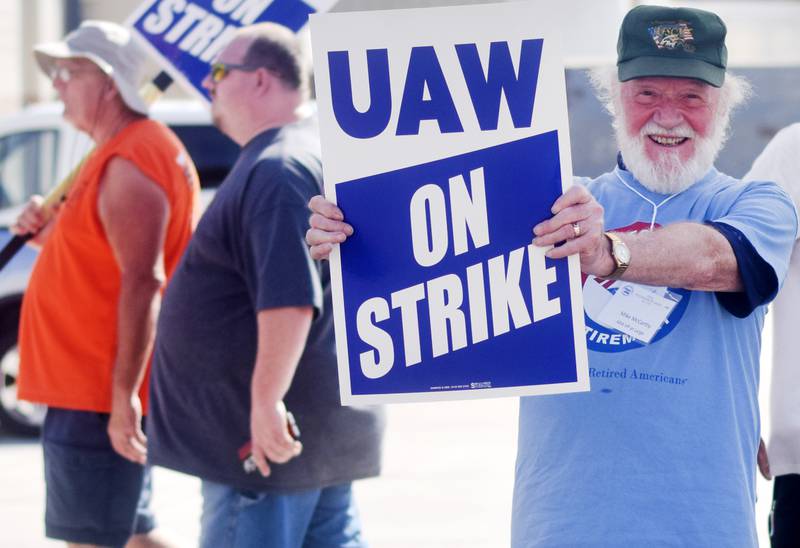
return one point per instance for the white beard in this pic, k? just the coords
(669, 175)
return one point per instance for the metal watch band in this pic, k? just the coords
(621, 265)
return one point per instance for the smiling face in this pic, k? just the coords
(669, 130)
(669, 113)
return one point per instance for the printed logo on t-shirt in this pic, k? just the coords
(639, 315)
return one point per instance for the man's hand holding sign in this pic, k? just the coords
(577, 222)
(327, 227)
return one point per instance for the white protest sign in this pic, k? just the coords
(445, 140)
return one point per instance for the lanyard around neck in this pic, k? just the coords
(646, 199)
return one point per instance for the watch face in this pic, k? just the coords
(622, 253)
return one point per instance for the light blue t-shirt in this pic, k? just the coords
(661, 451)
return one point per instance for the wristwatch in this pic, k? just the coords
(621, 255)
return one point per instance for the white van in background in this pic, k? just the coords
(37, 150)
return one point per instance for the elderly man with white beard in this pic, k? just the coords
(662, 450)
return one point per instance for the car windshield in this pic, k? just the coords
(213, 153)
(27, 165)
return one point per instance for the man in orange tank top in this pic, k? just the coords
(88, 319)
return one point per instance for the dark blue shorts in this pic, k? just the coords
(94, 496)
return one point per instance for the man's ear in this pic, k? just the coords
(109, 90)
(265, 80)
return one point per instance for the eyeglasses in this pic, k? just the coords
(65, 74)
(220, 70)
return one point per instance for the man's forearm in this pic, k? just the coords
(282, 336)
(139, 302)
(281, 340)
(687, 255)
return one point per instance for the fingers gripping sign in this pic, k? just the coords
(327, 227)
(577, 223)
(34, 217)
(271, 439)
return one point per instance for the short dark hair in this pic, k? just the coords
(277, 49)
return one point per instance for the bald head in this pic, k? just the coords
(277, 49)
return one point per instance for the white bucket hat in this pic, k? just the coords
(107, 45)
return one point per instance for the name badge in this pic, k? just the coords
(638, 310)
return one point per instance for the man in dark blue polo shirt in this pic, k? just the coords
(246, 330)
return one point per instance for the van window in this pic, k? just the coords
(213, 152)
(27, 165)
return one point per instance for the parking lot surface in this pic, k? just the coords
(447, 481)
(448, 475)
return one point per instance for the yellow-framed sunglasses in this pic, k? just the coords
(220, 70)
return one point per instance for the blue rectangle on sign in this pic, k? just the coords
(456, 313)
(187, 35)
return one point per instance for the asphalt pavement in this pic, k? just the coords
(447, 481)
(448, 475)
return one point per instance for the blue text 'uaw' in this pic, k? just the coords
(426, 78)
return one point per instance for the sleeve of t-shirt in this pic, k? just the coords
(779, 162)
(758, 278)
(761, 227)
(277, 260)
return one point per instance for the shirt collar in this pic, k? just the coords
(621, 162)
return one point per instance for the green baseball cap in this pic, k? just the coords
(676, 42)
